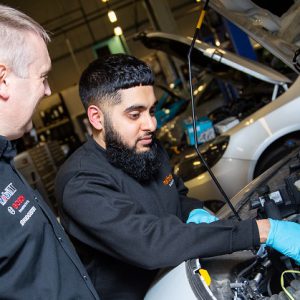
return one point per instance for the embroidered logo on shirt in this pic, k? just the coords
(169, 180)
(28, 216)
(11, 210)
(8, 192)
(18, 202)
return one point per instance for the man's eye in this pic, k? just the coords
(152, 112)
(44, 77)
(134, 115)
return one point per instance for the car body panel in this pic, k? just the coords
(169, 104)
(241, 274)
(248, 140)
(232, 175)
(208, 54)
(253, 135)
(177, 279)
(164, 115)
(278, 34)
(274, 120)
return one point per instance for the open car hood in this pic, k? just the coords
(207, 55)
(275, 26)
(248, 274)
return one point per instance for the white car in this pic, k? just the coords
(257, 142)
(245, 151)
(249, 274)
(260, 140)
(237, 155)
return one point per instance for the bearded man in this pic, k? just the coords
(119, 200)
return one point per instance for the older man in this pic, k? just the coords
(37, 261)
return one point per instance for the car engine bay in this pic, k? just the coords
(261, 273)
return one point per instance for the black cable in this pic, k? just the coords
(194, 115)
(248, 268)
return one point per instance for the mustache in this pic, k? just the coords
(147, 135)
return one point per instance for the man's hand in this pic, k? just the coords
(284, 237)
(200, 215)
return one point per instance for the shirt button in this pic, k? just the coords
(85, 277)
(60, 239)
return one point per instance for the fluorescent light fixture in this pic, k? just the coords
(112, 16)
(118, 30)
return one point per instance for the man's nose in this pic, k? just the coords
(149, 123)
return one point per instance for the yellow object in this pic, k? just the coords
(201, 18)
(282, 282)
(205, 276)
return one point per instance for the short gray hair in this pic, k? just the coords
(13, 47)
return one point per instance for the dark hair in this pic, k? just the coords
(104, 77)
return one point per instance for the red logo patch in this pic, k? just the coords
(18, 202)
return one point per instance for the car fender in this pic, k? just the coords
(253, 135)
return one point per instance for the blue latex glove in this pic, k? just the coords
(284, 237)
(200, 215)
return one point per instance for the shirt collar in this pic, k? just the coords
(7, 149)
(92, 141)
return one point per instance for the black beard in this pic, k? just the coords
(141, 166)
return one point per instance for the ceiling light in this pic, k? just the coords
(112, 16)
(104, 1)
(118, 30)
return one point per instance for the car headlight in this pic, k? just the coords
(190, 165)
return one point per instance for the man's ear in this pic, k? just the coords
(95, 116)
(3, 82)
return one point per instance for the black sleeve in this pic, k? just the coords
(187, 203)
(106, 219)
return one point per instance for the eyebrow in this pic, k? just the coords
(135, 107)
(138, 107)
(47, 71)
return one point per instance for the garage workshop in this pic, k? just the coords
(149, 150)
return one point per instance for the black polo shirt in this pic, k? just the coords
(37, 260)
(125, 230)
